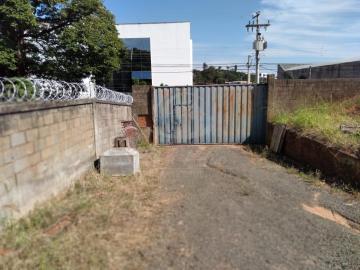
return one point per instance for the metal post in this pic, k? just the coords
(258, 37)
(92, 89)
(92, 86)
(257, 67)
(260, 44)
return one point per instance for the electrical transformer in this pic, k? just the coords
(260, 45)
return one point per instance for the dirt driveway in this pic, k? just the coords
(192, 207)
(230, 209)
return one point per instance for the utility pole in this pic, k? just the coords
(259, 44)
(248, 65)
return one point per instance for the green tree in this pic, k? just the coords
(16, 18)
(212, 75)
(64, 39)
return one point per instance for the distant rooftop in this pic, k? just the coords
(289, 67)
(154, 23)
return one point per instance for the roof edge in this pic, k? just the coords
(153, 23)
(304, 66)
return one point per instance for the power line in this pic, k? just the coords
(199, 65)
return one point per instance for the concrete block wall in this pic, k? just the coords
(108, 119)
(142, 108)
(142, 99)
(330, 71)
(45, 147)
(288, 95)
(334, 163)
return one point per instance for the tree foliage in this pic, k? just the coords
(212, 75)
(63, 39)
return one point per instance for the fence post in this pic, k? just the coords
(92, 89)
(89, 84)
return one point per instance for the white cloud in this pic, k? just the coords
(312, 29)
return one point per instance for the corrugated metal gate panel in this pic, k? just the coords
(221, 114)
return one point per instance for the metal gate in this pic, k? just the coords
(219, 114)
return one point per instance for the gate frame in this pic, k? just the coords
(154, 117)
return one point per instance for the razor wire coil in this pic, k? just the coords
(37, 89)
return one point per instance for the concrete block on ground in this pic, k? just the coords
(120, 162)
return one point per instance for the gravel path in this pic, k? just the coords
(227, 208)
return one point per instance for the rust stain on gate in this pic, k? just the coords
(218, 114)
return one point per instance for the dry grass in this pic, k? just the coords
(324, 120)
(99, 224)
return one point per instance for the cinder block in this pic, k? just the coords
(62, 126)
(50, 140)
(57, 116)
(120, 162)
(26, 162)
(25, 122)
(44, 131)
(18, 138)
(17, 153)
(4, 143)
(47, 153)
(2, 159)
(6, 172)
(32, 134)
(27, 176)
(21, 164)
(8, 124)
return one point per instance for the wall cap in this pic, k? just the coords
(22, 107)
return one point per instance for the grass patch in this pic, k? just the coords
(99, 224)
(143, 145)
(324, 121)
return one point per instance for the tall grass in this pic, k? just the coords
(324, 121)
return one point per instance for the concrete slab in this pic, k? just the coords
(120, 162)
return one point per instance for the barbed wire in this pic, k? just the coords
(37, 89)
(105, 94)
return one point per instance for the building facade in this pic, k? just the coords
(349, 69)
(155, 54)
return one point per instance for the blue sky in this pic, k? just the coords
(306, 31)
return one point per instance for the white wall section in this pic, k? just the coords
(171, 50)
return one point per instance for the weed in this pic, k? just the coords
(143, 145)
(324, 120)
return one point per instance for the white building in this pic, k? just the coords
(171, 52)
